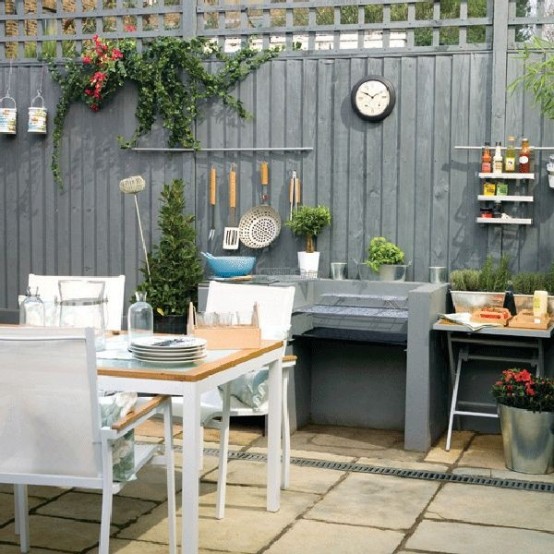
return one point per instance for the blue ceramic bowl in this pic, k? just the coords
(230, 266)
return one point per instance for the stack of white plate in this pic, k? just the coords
(169, 349)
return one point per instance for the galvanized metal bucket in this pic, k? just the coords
(528, 439)
(392, 272)
(467, 301)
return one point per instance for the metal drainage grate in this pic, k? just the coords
(396, 472)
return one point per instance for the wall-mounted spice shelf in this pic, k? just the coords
(498, 198)
(501, 221)
(512, 176)
(504, 198)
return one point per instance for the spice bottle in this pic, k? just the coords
(497, 164)
(486, 159)
(524, 157)
(510, 157)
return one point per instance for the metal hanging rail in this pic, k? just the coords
(245, 149)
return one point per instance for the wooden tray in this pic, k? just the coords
(230, 337)
(526, 320)
(492, 315)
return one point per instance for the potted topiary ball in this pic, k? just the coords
(308, 222)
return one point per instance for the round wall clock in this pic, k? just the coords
(373, 98)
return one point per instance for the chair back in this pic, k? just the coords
(114, 292)
(274, 304)
(49, 414)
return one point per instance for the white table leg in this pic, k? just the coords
(275, 383)
(191, 482)
(223, 453)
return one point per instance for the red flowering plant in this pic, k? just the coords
(519, 388)
(104, 68)
(101, 71)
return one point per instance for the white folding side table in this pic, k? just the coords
(464, 345)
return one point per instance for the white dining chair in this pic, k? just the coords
(52, 433)
(248, 393)
(114, 292)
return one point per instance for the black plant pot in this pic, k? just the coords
(173, 324)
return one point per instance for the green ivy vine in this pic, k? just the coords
(172, 81)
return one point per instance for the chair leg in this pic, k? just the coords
(22, 516)
(107, 500)
(170, 476)
(285, 433)
(223, 453)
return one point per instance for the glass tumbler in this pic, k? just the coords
(83, 304)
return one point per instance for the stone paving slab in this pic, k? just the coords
(482, 505)
(68, 535)
(398, 464)
(246, 528)
(302, 479)
(375, 500)
(462, 538)
(314, 537)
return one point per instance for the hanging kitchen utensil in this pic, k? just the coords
(294, 192)
(212, 189)
(260, 225)
(231, 233)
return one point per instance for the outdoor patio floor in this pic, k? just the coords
(335, 509)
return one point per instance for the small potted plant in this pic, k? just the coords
(387, 259)
(308, 222)
(174, 269)
(526, 412)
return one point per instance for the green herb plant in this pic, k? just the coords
(492, 277)
(382, 251)
(175, 266)
(466, 279)
(495, 277)
(172, 79)
(309, 221)
(527, 282)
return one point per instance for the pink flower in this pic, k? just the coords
(87, 59)
(523, 376)
(129, 28)
(98, 77)
(117, 54)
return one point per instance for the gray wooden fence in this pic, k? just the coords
(403, 178)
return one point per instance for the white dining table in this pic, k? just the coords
(121, 372)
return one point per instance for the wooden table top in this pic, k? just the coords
(106, 367)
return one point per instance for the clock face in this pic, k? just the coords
(373, 98)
